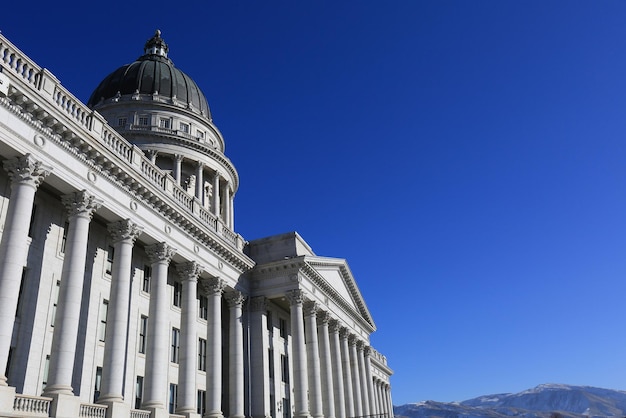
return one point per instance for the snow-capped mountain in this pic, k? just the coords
(543, 401)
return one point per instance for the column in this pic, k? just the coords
(389, 402)
(152, 155)
(177, 171)
(123, 234)
(226, 204)
(259, 358)
(365, 402)
(26, 174)
(335, 346)
(216, 195)
(379, 405)
(231, 211)
(155, 390)
(328, 397)
(213, 289)
(356, 376)
(187, 395)
(236, 388)
(200, 182)
(347, 372)
(300, 380)
(313, 359)
(370, 380)
(80, 206)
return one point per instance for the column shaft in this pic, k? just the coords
(356, 376)
(339, 392)
(300, 379)
(313, 359)
(326, 366)
(365, 403)
(236, 387)
(200, 182)
(213, 288)
(259, 358)
(216, 195)
(347, 372)
(370, 380)
(177, 172)
(226, 204)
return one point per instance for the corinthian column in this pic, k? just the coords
(178, 159)
(370, 380)
(188, 273)
(356, 376)
(200, 182)
(363, 379)
(347, 372)
(226, 205)
(326, 367)
(300, 380)
(236, 394)
(335, 346)
(26, 174)
(213, 288)
(259, 358)
(216, 195)
(80, 206)
(313, 359)
(123, 233)
(155, 389)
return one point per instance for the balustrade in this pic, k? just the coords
(92, 411)
(32, 405)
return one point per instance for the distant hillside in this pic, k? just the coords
(543, 401)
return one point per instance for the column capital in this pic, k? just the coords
(235, 299)
(178, 157)
(352, 339)
(26, 170)
(258, 304)
(160, 252)
(295, 296)
(310, 308)
(81, 204)
(344, 333)
(189, 271)
(216, 175)
(323, 317)
(124, 230)
(212, 286)
(360, 345)
(200, 164)
(367, 350)
(334, 326)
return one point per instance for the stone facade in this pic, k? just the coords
(124, 290)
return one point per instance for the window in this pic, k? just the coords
(66, 227)
(108, 266)
(184, 127)
(31, 225)
(7, 370)
(204, 307)
(202, 354)
(164, 123)
(55, 301)
(272, 405)
(270, 358)
(147, 276)
(201, 402)
(177, 294)
(96, 386)
(270, 325)
(200, 134)
(143, 331)
(284, 368)
(286, 408)
(282, 324)
(138, 392)
(175, 345)
(173, 397)
(104, 310)
(20, 294)
(121, 121)
(46, 367)
(143, 121)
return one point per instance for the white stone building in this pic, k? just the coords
(124, 290)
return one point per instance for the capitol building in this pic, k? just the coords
(125, 290)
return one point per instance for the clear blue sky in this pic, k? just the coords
(468, 158)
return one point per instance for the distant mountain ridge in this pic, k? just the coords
(543, 401)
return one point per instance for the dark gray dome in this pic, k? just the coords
(152, 73)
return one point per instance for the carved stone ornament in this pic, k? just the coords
(310, 308)
(352, 339)
(359, 345)
(323, 317)
(258, 304)
(343, 332)
(81, 204)
(189, 271)
(295, 297)
(334, 326)
(235, 299)
(212, 286)
(124, 230)
(160, 252)
(26, 170)
(367, 350)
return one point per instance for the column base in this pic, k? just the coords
(64, 405)
(157, 412)
(115, 408)
(7, 397)
(52, 390)
(189, 414)
(213, 414)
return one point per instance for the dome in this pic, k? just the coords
(152, 77)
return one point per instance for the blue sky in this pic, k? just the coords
(465, 157)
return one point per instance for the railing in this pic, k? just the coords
(176, 416)
(21, 65)
(92, 411)
(32, 405)
(138, 413)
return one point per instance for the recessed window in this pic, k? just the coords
(66, 227)
(177, 294)
(184, 127)
(138, 392)
(282, 324)
(173, 398)
(143, 331)
(96, 386)
(109, 263)
(284, 368)
(144, 121)
(201, 402)
(121, 121)
(164, 123)
(147, 276)
(175, 345)
(203, 312)
(55, 301)
(202, 354)
(104, 311)
(200, 135)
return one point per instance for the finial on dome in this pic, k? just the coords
(156, 45)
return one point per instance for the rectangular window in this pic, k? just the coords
(270, 325)
(201, 402)
(184, 127)
(46, 367)
(147, 276)
(175, 345)
(202, 354)
(20, 295)
(173, 397)
(143, 121)
(66, 226)
(282, 324)
(104, 311)
(164, 123)
(286, 408)
(121, 121)
(96, 386)
(270, 361)
(177, 294)
(143, 331)
(284, 368)
(31, 225)
(138, 392)
(199, 134)
(108, 267)
(204, 307)
(55, 301)
(272, 405)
